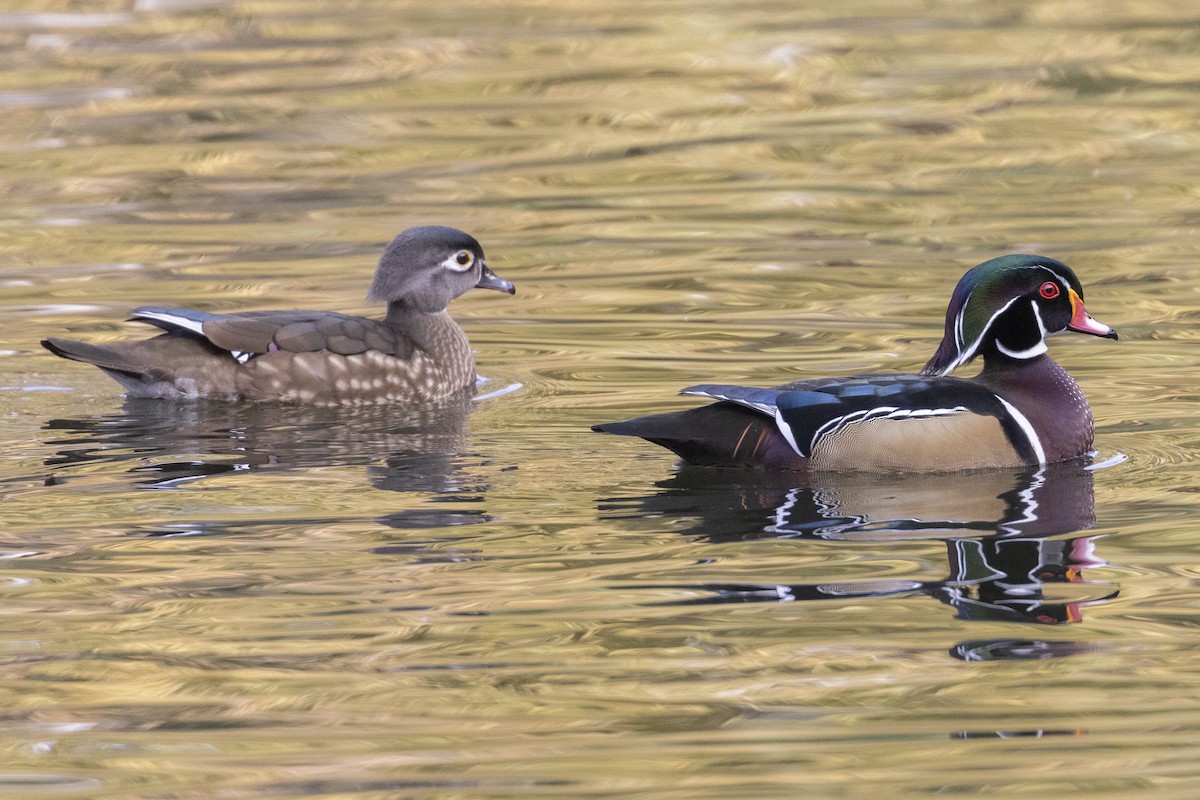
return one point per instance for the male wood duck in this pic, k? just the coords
(416, 353)
(1021, 409)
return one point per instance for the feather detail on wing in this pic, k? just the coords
(252, 333)
(764, 401)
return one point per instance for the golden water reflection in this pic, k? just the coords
(256, 602)
(168, 445)
(1009, 556)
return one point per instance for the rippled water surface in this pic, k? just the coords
(489, 600)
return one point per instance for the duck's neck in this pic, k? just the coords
(944, 359)
(1048, 397)
(438, 336)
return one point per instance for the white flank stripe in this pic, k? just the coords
(1027, 428)
(835, 425)
(786, 430)
(926, 412)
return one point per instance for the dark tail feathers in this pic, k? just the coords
(90, 354)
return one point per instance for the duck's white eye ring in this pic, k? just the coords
(461, 261)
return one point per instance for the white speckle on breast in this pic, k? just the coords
(444, 366)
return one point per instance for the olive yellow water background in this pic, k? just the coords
(489, 600)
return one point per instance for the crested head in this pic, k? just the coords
(426, 267)
(1006, 307)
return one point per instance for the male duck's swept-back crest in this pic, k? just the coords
(1022, 408)
(416, 353)
(984, 307)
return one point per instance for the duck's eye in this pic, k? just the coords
(1050, 290)
(460, 261)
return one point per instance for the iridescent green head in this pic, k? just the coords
(1007, 306)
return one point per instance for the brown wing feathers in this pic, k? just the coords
(304, 332)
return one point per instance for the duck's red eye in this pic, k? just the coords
(1049, 290)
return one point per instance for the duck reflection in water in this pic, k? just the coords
(1005, 533)
(170, 445)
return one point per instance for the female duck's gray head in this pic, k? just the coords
(425, 268)
(1007, 307)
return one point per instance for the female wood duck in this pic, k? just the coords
(416, 353)
(1021, 409)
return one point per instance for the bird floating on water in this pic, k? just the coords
(1021, 409)
(415, 353)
